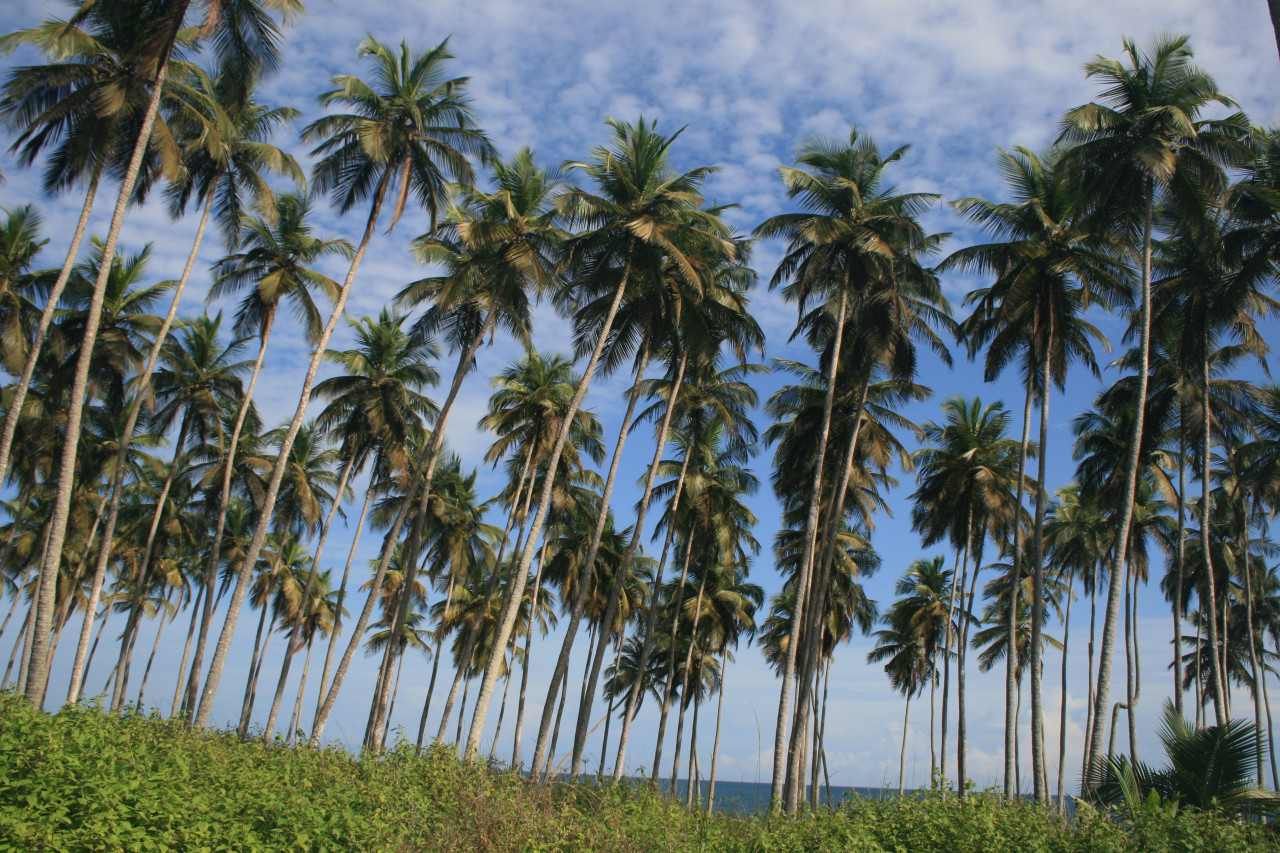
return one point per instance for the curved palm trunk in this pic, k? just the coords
(1254, 665)
(780, 743)
(296, 634)
(611, 608)
(957, 589)
(224, 502)
(524, 669)
(205, 710)
(122, 457)
(1135, 664)
(584, 588)
(38, 670)
(507, 623)
(1011, 625)
(435, 669)
(715, 742)
(651, 622)
(684, 681)
(421, 479)
(962, 743)
(902, 752)
(433, 456)
(1093, 744)
(186, 652)
(342, 594)
(246, 707)
(146, 672)
(296, 719)
(42, 330)
(1039, 771)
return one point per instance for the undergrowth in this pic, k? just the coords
(84, 780)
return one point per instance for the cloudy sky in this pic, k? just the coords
(748, 82)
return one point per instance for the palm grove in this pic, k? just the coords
(144, 487)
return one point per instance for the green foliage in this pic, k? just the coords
(84, 780)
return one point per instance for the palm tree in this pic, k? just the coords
(1052, 265)
(409, 130)
(967, 476)
(240, 30)
(378, 403)
(1146, 137)
(275, 266)
(908, 667)
(855, 231)
(925, 592)
(637, 219)
(20, 244)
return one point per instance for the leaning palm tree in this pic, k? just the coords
(274, 267)
(410, 129)
(637, 218)
(854, 232)
(1146, 137)
(241, 30)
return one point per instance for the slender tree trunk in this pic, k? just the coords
(20, 643)
(38, 674)
(619, 580)
(933, 750)
(1131, 661)
(277, 472)
(42, 330)
(685, 686)
(780, 740)
(122, 456)
(1215, 667)
(435, 669)
(246, 707)
(524, 669)
(102, 624)
(1254, 666)
(342, 595)
(146, 672)
(296, 720)
(506, 689)
(224, 502)
(391, 706)
(957, 587)
(1011, 625)
(962, 745)
(715, 743)
(812, 630)
(1120, 557)
(694, 769)
(1062, 713)
(584, 577)
(669, 691)
(1271, 733)
(609, 704)
(1089, 718)
(296, 633)
(650, 628)
(1039, 770)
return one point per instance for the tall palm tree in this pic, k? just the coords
(636, 219)
(410, 130)
(275, 266)
(1052, 265)
(1146, 137)
(855, 230)
(376, 403)
(967, 475)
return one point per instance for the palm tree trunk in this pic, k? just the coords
(342, 594)
(296, 633)
(1130, 648)
(669, 691)
(122, 457)
(1179, 560)
(1253, 649)
(619, 580)
(421, 479)
(277, 472)
(246, 707)
(957, 587)
(1215, 667)
(42, 329)
(1039, 771)
(715, 743)
(694, 770)
(584, 588)
(584, 578)
(610, 706)
(902, 752)
(1010, 661)
(386, 726)
(224, 502)
(1089, 715)
(685, 673)
(502, 708)
(102, 624)
(650, 628)
(146, 672)
(38, 673)
(463, 710)
(962, 745)
(524, 668)
(1271, 733)
(296, 719)
(1120, 557)
(1062, 713)
(813, 624)
(780, 741)
(933, 751)
(435, 669)
(19, 643)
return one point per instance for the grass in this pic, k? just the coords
(83, 780)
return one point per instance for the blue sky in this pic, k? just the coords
(748, 82)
